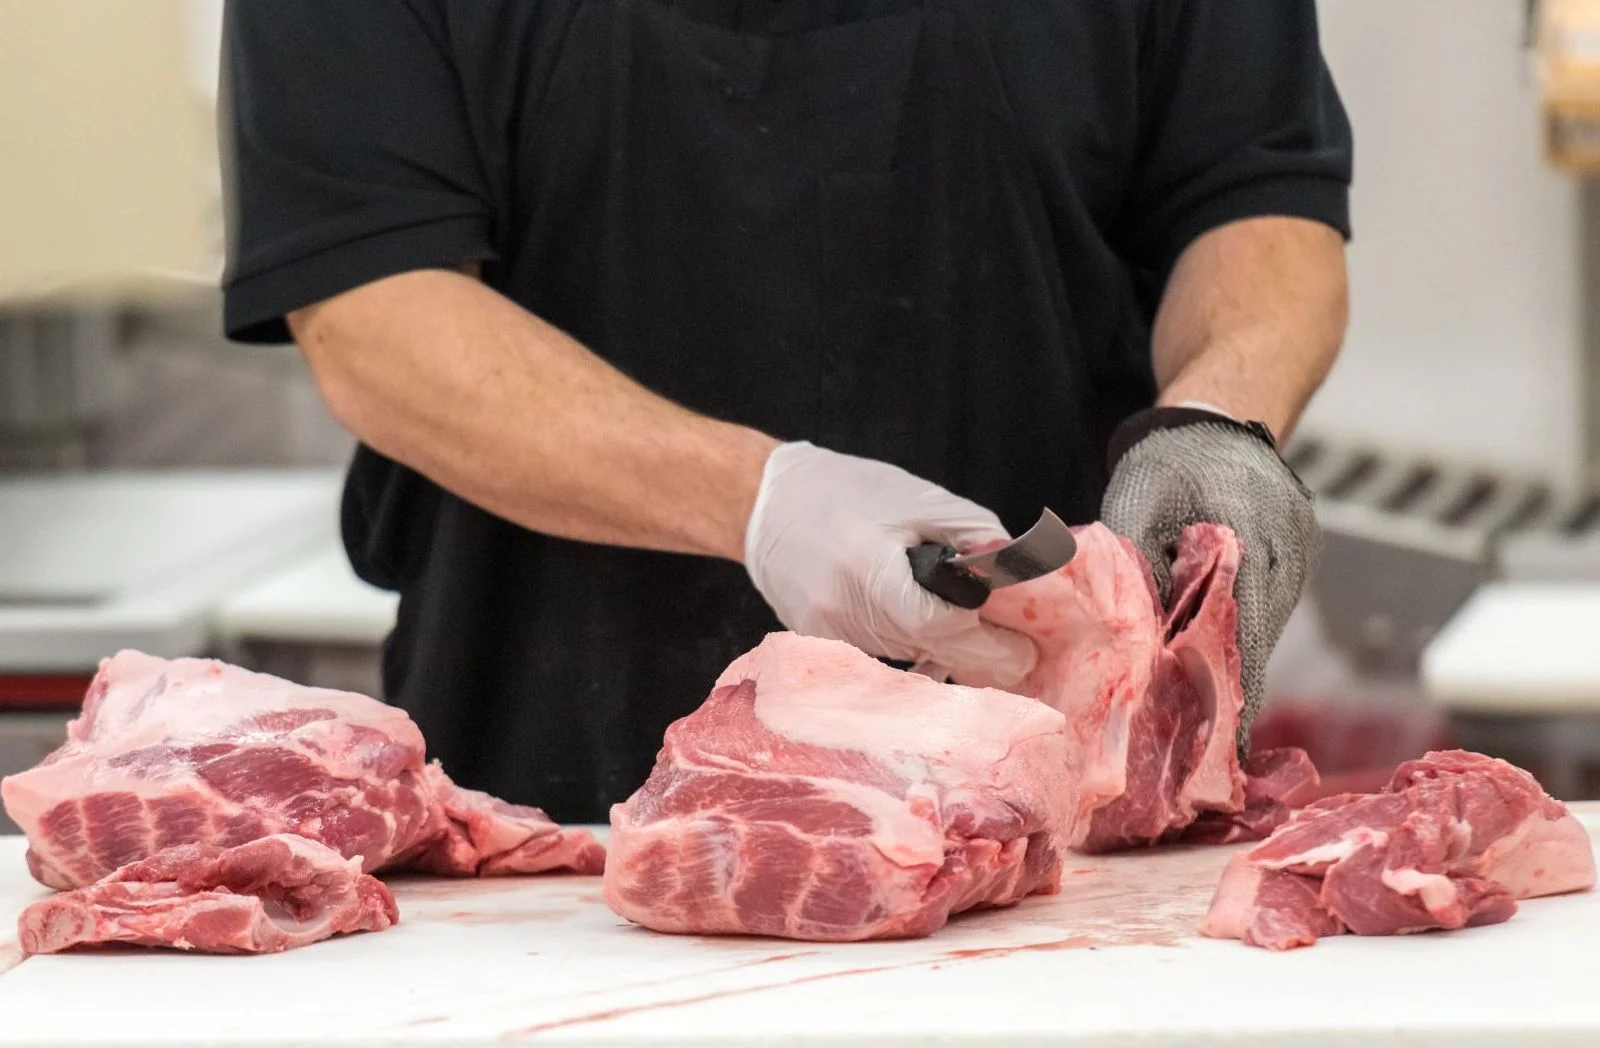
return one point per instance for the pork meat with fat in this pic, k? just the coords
(1152, 695)
(1454, 840)
(269, 895)
(193, 751)
(819, 794)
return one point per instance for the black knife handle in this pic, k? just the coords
(931, 567)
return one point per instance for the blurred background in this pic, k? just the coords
(162, 489)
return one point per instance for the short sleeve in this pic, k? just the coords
(1239, 118)
(348, 155)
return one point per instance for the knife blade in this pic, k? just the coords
(967, 579)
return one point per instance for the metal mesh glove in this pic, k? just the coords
(1173, 467)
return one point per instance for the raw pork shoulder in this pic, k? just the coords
(191, 751)
(1152, 698)
(272, 894)
(819, 794)
(1454, 840)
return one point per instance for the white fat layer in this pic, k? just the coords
(1436, 891)
(152, 701)
(1541, 857)
(824, 693)
(1331, 852)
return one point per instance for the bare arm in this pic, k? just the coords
(1252, 319)
(437, 371)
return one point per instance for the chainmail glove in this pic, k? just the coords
(1172, 467)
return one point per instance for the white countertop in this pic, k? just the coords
(99, 561)
(316, 598)
(1111, 961)
(1519, 648)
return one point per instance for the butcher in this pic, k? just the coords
(663, 324)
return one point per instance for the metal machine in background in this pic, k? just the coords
(55, 383)
(1474, 582)
(1408, 539)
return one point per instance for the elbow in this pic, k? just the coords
(330, 357)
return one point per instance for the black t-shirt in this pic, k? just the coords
(372, 137)
(369, 136)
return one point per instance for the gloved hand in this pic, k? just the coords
(1173, 467)
(826, 546)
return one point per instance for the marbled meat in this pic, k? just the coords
(1454, 840)
(183, 752)
(819, 794)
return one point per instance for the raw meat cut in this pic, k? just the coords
(196, 752)
(1274, 780)
(1453, 841)
(784, 805)
(1152, 697)
(192, 751)
(272, 894)
(819, 794)
(486, 836)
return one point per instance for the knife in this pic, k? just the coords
(967, 579)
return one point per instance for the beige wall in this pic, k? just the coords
(1465, 333)
(107, 180)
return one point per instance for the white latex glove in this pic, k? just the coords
(826, 546)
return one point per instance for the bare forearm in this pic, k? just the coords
(439, 372)
(1252, 319)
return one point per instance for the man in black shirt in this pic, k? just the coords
(667, 323)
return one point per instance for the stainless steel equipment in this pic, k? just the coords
(1562, 545)
(55, 380)
(1410, 538)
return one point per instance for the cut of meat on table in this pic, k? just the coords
(269, 895)
(486, 836)
(1454, 840)
(192, 751)
(819, 794)
(1151, 696)
(1273, 781)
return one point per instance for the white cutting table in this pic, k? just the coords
(1111, 961)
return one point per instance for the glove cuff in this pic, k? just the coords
(1141, 424)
